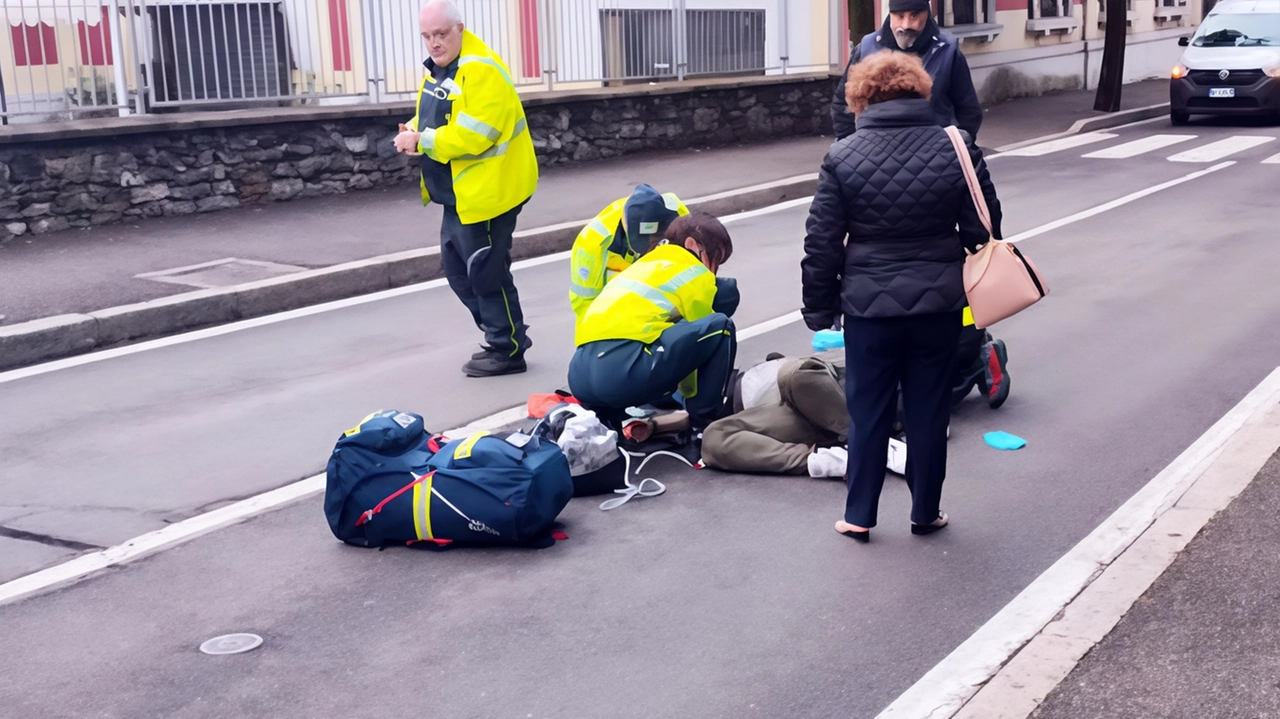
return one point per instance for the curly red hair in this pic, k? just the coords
(886, 75)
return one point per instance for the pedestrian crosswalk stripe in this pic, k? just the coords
(1065, 143)
(1222, 148)
(1273, 160)
(1138, 147)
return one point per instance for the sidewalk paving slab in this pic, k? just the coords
(1204, 640)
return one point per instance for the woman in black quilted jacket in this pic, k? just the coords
(885, 246)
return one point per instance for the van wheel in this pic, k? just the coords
(1179, 117)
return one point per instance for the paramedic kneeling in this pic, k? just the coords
(662, 324)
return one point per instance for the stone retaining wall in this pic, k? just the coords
(100, 172)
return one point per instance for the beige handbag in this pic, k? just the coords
(999, 280)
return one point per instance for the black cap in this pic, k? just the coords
(909, 6)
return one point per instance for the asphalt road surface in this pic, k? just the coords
(727, 596)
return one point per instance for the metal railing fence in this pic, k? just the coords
(64, 58)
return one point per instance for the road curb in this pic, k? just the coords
(1092, 124)
(1007, 668)
(51, 338)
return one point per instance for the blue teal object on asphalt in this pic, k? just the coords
(824, 340)
(1004, 440)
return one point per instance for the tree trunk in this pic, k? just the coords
(1111, 78)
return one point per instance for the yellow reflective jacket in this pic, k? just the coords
(600, 252)
(486, 141)
(651, 295)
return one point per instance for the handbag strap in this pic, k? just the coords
(970, 176)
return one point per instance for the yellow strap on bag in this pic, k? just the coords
(464, 450)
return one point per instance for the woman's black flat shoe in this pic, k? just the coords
(863, 536)
(931, 527)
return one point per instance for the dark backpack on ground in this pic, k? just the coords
(390, 482)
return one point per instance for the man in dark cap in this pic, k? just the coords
(612, 241)
(911, 28)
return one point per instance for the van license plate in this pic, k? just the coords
(1222, 92)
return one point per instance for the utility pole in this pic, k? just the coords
(1112, 73)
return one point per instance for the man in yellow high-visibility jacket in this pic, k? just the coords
(615, 238)
(478, 162)
(660, 325)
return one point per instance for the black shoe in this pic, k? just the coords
(486, 350)
(493, 364)
(931, 527)
(995, 365)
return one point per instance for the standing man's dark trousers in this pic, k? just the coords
(616, 374)
(920, 353)
(477, 263)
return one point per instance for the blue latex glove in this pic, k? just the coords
(1004, 440)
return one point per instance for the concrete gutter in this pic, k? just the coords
(1100, 122)
(61, 336)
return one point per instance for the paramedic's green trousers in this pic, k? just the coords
(616, 374)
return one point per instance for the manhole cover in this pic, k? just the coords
(231, 644)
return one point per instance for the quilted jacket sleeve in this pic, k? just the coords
(824, 244)
(972, 233)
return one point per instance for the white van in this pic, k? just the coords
(1231, 65)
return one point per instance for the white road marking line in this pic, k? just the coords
(1273, 160)
(189, 529)
(1117, 203)
(170, 536)
(1221, 148)
(201, 524)
(79, 360)
(942, 691)
(1065, 143)
(1138, 147)
(1019, 688)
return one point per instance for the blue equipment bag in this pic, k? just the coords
(390, 482)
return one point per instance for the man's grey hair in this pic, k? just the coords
(451, 10)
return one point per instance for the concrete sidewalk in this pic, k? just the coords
(1204, 640)
(80, 290)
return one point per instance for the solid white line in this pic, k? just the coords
(79, 360)
(193, 527)
(1273, 160)
(171, 535)
(1221, 148)
(1138, 147)
(945, 688)
(769, 326)
(1065, 143)
(1116, 203)
(228, 515)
